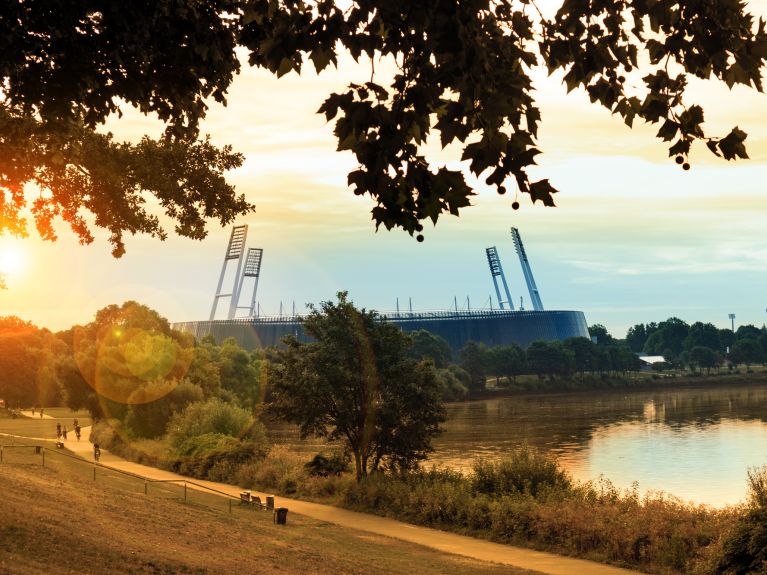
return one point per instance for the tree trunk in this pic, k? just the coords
(358, 464)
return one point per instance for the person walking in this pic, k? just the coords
(41, 413)
(33, 411)
(77, 432)
(64, 433)
(96, 451)
(58, 431)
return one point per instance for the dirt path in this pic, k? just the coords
(36, 414)
(447, 542)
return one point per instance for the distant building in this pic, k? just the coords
(649, 360)
(498, 327)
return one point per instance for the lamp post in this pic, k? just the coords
(732, 319)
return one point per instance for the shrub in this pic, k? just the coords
(757, 486)
(216, 417)
(322, 466)
(744, 550)
(525, 470)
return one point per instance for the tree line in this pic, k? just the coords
(699, 345)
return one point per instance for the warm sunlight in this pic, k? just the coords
(12, 258)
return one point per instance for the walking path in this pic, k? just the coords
(443, 541)
(36, 414)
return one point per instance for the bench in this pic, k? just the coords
(247, 499)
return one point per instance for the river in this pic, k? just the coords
(695, 443)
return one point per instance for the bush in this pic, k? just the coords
(744, 550)
(213, 417)
(220, 463)
(525, 471)
(322, 466)
(757, 486)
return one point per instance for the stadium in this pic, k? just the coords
(492, 327)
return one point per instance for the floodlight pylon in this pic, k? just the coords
(252, 269)
(496, 271)
(234, 251)
(526, 270)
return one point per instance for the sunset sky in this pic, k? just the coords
(633, 239)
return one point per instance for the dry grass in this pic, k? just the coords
(54, 520)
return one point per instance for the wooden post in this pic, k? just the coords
(230, 507)
(94, 473)
(146, 484)
(1, 453)
(184, 491)
(43, 457)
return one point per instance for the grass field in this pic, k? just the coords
(44, 428)
(57, 519)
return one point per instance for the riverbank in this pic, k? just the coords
(524, 501)
(532, 385)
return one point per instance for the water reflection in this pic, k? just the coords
(694, 443)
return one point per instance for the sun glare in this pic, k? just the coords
(12, 258)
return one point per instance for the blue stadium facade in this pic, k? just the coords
(498, 327)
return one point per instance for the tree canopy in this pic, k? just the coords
(356, 383)
(463, 75)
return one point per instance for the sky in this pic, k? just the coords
(634, 238)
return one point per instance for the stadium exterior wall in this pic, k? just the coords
(488, 327)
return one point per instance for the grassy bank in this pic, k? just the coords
(525, 500)
(56, 521)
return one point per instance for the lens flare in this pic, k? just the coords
(131, 365)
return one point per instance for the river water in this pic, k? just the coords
(695, 443)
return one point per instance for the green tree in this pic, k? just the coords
(507, 360)
(128, 354)
(463, 71)
(702, 334)
(584, 353)
(637, 335)
(746, 351)
(600, 332)
(703, 357)
(426, 344)
(550, 358)
(474, 360)
(29, 358)
(747, 332)
(668, 339)
(356, 382)
(238, 373)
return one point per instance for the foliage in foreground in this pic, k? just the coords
(463, 77)
(524, 500)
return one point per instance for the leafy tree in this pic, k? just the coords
(426, 344)
(702, 335)
(747, 332)
(507, 360)
(746, 351)
(150, 419)
(356, 382)
(703, 357)
(238, 373)
(453, 388)
(463, 70)
(29, 358)
(668, 339)
(474, 360)
(583, 353)
(727, 338)
(600, 332)
(637, 335)
(550, 358)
